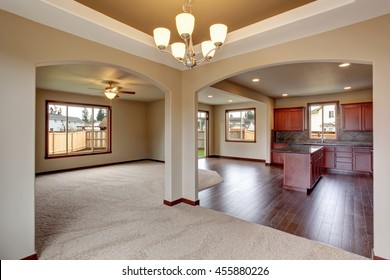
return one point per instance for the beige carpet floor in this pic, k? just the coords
(208, 179)
(116, 212)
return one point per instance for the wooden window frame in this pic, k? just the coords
(227, 130)
(66, 103)
(337, 116)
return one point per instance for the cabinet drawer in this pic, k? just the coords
(344, 149)
(362, 150)
(343, 155)
(344, 159)
(344, 165)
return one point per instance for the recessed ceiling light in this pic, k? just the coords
(346, 64)
(256, 80)
(230, 100)
(210, 96)
(285, 94)
(347, 88)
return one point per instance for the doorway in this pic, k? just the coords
(202, 133)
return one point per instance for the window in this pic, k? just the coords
(323, 120)
(240, 125)
(77, 129)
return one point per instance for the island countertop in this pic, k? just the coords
(299, 149)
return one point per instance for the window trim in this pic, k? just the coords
(226, 126)
(337, 116)
(47, 102)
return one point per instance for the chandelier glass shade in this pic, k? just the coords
(184, 52)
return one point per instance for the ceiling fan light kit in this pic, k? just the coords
(111, 92)
(184, 52)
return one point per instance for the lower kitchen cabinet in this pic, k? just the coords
(346, 158)
(302, 170)
(329, 157)
(278, 158)
(316, 167)
(362, 159)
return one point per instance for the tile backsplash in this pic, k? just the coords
(295, 137)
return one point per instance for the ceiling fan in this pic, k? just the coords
(113, 91)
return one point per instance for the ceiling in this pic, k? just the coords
(303, 79)
(145, 16)
(213, 96)
(253, 25)
(91, 79)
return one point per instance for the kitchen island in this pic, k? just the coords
(303, 166)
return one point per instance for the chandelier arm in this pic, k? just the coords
(166, 51)
(206, 57)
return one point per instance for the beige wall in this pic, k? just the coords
(17, 111)
(238, 149)
(128, 132)
(155, 130)
(342, 97)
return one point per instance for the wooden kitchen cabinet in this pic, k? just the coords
(362, 159)
(302, 170)
(278, 158)
(289, 119)
(348, 158)
(316, 167)
(329, 157)
(357, 117)
(344, 158)
(367, 117)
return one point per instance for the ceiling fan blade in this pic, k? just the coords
(126, 91)
(95, 88)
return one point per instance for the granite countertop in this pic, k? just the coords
(299, 149)
(351, 144)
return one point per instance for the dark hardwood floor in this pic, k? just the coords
(337, 212)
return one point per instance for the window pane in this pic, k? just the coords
(78, 122)
(329, 126)
(240, 125)
(316, 121)
(57, 129)
(100, 129)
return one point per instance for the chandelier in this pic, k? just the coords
(184, 52)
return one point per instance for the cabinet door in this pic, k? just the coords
(329, 160)
(362, 159)
(289, 119)
(367, 117)
(295, 119)
(280, 119)
(352, 117)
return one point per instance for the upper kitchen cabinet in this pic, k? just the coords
(357, 116)
(367, 120)
(289, 119)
